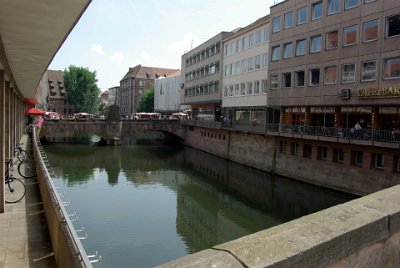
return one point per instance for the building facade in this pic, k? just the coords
(134, 83)
(335, 73)
(167, 94)
(202, 78)
(245, 76)
(113, 95)
(52, 86)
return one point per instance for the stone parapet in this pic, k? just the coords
(364, 232)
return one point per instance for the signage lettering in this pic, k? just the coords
(375, 92)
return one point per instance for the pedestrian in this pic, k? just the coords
(357, 129)
(39, 123)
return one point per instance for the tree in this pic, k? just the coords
(81, 88)
(146, 103)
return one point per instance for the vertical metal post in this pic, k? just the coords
(2, 151)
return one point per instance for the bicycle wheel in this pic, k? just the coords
(15, 190)
(27, 169)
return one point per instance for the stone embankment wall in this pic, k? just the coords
(263, 152)
(361, 233)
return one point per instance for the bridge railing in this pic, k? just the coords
(67, 248)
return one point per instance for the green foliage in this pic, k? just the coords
(146, 103)
(81, 89)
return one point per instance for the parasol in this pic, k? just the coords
(34, 111)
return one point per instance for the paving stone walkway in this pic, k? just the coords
(24, 237)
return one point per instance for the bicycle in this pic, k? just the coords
(20, 153)
(26, 166)
(16, 188)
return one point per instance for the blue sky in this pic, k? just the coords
(113, 35)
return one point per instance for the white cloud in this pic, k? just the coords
(98, 49)
(188, 42)
(150, 60)
(117, 56)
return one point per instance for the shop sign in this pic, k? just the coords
(375, 92)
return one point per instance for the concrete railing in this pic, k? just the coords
(68, 250)
(361, 233)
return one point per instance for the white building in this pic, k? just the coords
(245, 77)
(167, 94)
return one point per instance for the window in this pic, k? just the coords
(331, 40)
(250, 66)
(316, 10)
(368, 71)
(265, 34)
(333, 7)
(338, 155)
(264, 84)
(286, 80)
(350, 35)
(251, 40)
(258, 37)
(294, 148)
(287, 50)
(322, 153)
(276, 24)
(369, 1)
(330, 75)
(301, 15)
(301, 47)
(350, 3)
(299, 79)
(274, 81)
(357, 158)
(288, 20)
(391, 68)
(249, 88)
(315, 45)
(257, 87)
(265, 60)
(370, 30)
(314, 77)
(393, 25)
(307, 151)
(377, 161)
(276, 53)
(257, 63)
(242, 89)
(348, 73)
(244, 43)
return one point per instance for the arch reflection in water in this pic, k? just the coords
(207, 200)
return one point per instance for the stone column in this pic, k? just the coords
(2, 151)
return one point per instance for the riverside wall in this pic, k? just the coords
(361, 233)
(265, 152)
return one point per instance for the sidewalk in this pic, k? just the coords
(24, 238)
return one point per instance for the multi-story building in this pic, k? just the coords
(245, 76)
(135, 82)
(113, 96)
(335, 72)
(202, 78)
(167, 94)
(52, 85)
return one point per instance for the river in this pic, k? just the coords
(141, 206)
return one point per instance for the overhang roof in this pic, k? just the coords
(31, 33)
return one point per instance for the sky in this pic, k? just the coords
(113, 35)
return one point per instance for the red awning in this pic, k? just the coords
(32, 101)
(34, 111)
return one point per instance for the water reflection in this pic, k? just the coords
(215, 200)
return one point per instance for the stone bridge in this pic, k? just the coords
(110, 132)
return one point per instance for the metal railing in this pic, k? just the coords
(302, 130)
(344, 133)
(67, 248)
